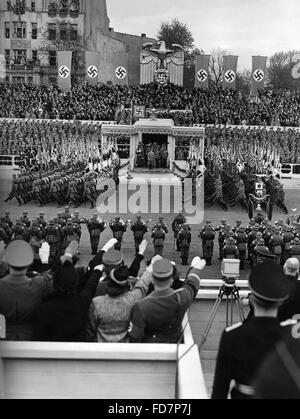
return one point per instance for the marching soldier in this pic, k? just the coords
(185, 238)
(158, 237)
(139, 229)
(242, 240)
(53, 237)
(118, 228)
(36, 235)
(16, 191)
(208, 236)
(67, 235)
(237, 361)
(276, 244)
(162, 224)
(95, 228)
(176, 227)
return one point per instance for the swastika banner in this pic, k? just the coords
(64, 61)
(259, 70)
(121, 68)
(202, 71)
(92, 60)
(230, 71)
(139, 111)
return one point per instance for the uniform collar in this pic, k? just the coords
(162, 293)
(16, 279)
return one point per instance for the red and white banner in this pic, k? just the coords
(64, 61)
(259, 70)
(92, 67)
(202, 71)
(230, 71)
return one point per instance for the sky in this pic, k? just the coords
(241, 27)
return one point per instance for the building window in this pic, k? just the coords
(52, 58)
(34, 31)
(20, 30)
(52, 31)
(74, 32)
(33, 6)
(20, 56)
(7, 56)
(7, 30)
(34, 55)
(63, 32)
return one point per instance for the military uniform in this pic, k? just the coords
(53, 237)
(243, 347)
(185, 238)
(118, 228)
(176, 227)
(242, 240)
(276, 244)
(230, 250)
(221, 229)
(208, 236)
(158, 237)
(288, 237)
(294, 250)
(139, 229)
(95, 228)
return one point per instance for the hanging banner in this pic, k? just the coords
(202, 71)
(121, 68)
(92, 67)
(230, 71)
(64, 61)
(259, 70)
(139, 112)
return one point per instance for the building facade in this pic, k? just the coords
(33, 31)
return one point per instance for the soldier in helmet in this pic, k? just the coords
(242, 240)
(251, 237)
(176, 227)
(276, 244)
(139, 229)
(95, 228)
(20, 231)
(67, 234)
(53, 237)
(230, 250)
(208, 236)
(158, 237)
(36, 235)
(66, 215)
(6, 219)
(25, 220)
(288, 237)
(118, 227)
(162, 224)
(220, 229)
(185, 238)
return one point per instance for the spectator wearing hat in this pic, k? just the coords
(291, 306)
(243, 347)
(63, 318)
(109, 314)
(20, 296)
(112, 259)
(158, 317)
(278, 378)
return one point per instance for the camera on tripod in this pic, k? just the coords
(230, 271)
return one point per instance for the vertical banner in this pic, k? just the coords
(121, 68)
(259, 69)
(202, 71)
(92, 60)
(64, 61)
(2, 68)
(230, 70)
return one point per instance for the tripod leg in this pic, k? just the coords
(211, 320)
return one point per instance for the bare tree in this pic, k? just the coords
(280, 71)
(216, 67)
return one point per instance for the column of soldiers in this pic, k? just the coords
(259, 240)
(62, 186)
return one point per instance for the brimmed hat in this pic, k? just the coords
(268, 283)
(112, 258)
(162, 270)
(120, 275)
(19, 254)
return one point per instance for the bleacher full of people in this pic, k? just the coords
(101, 102)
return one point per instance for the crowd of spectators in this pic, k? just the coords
(101, 102)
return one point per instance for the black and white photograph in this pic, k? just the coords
(149, 202)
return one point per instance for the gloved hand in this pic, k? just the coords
(70, 252)
(143, 247)
(44, 253)
(155, 259)
(198, 263)
(110, 244)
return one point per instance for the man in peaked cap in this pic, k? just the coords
(20, 296)
(243, 347)
(158, 318)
